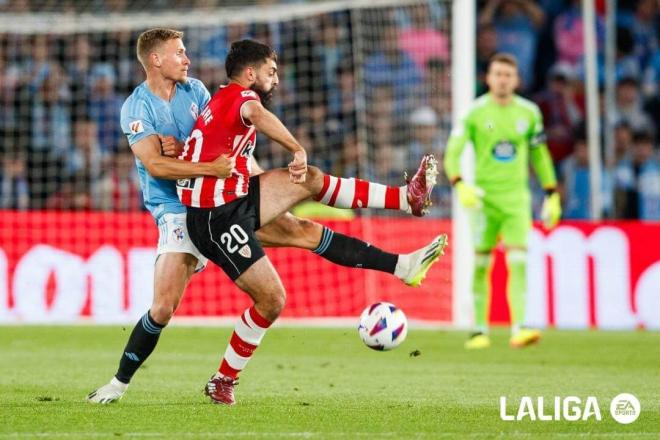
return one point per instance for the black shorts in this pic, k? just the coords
(226, 234)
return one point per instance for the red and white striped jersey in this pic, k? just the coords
(220, 129)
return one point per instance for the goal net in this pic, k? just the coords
(364, 86)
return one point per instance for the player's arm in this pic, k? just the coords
(545, 171)
(540, 156)
(268, 124)
(469, 195)
(148, 150)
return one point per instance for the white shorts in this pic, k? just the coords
(173, 237)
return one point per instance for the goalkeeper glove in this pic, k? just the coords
(551, 210)
(469, 195)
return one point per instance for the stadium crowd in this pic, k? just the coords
(60, 97)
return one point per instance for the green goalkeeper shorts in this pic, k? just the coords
(510, 222)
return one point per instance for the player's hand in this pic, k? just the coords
(469, 195)
(170, 146)
(551, 210)
(298, 167)
(223, 166)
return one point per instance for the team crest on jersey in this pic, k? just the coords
(178, 234)
(136, 127)
(490, 125)
(194, 110)
(248, 94)
(245, 251)
(522, 125)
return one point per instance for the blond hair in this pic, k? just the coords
(150, 40)
(505, 58)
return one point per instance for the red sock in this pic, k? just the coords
(357, 193)
(245, 339)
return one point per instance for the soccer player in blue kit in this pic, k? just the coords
(156, 117)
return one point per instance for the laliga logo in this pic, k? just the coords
(625, 409)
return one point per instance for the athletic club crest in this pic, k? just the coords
(178, 234)
(245, 251)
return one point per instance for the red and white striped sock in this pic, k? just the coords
(356, 193)
(248, 333)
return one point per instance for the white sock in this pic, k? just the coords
(402, 266)
(118, 384)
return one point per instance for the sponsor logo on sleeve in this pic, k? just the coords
(248, 94)
(136, 127)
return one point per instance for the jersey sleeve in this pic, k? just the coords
(201, 93)
(460, 134)
(136, 122)
(539, 154)
(243, 97)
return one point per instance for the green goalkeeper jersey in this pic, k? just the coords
(505, 139)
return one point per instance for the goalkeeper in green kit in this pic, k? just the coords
(507, 133)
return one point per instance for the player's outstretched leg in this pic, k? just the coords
(172, 273)
(263, 284)
(352, 193)
(288, 230)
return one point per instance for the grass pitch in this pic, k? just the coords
(322, 383)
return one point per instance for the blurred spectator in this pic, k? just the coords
(79, 71)
(422, 40)
(651, 76)
(389, 66)
(638, 181)
(119, 187)
(211, 72)
(424, 136)
(627, 64)
(50, 140)
(330, 52)
(486, 48)
(569, 34)
(643, 27)
(14, 188)
(629, 105)
(561, 111)
(517, 23)
(104, 106)
(575, 184)
(381, 124)
(88, 159)
(623, 140)
(439, 85)
(341, 100)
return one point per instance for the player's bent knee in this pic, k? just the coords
(162, 312)
(314, 177)
(273, 305)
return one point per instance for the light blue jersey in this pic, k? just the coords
(144, 114)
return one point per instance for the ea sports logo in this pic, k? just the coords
(625, 408)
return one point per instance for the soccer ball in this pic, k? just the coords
(383, 326)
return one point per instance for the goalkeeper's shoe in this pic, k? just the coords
(525, 337)
(420, 186)
(477, 341)
(221, 389)
(108, 393)
(421, 260)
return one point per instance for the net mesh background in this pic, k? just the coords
(365, 89)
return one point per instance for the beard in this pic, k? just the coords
(265, 95)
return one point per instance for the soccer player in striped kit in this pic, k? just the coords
(224, 214)
(162, 110)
